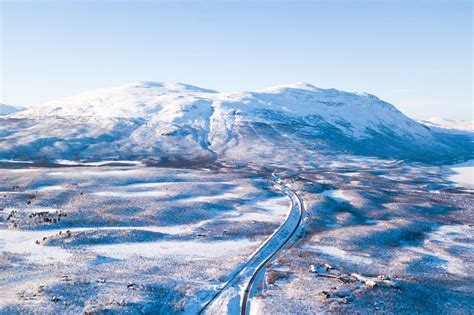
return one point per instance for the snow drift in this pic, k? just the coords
(179, 123)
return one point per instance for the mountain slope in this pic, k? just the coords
(179, 123)
(453, 125)
(9, 109)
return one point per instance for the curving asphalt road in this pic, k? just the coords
(234, 297)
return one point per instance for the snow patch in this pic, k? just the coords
(341, 254)
(186, 249)
(101, 163)
(133, 194)
(338, 195)
(464, 174)
(23, 243)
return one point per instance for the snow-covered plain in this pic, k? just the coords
(463, 174)
(167, 239)
(381, 223)
(175, 230)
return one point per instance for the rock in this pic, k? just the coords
(390, 283)
(383, 277)
(368, 282)
(345, 279)
(273, 276)
(358, 277)
(122, 303)
(55, 299)
(342, 293)
(328, 267)
(320, 271)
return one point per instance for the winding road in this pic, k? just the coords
(234, 297)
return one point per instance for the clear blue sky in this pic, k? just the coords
(416, 55)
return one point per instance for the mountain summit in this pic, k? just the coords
(175, 122)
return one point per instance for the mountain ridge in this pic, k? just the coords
(166, 122)
(10, 109)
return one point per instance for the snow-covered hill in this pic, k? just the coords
(8, 109)
(455, 125)
(164, 122)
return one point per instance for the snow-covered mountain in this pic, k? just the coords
(165, 122)
(9, 109)
(459, 125)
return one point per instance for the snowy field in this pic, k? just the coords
(134, 239)
(463, 174)
(383, 238)
(380, 236)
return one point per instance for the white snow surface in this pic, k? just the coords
(338, 195)
(463, 125)
(175, 121)
(23, 242)
(9, 109)
(176, 103)
(464, 174)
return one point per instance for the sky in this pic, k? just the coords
(416, 55)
